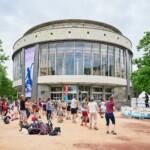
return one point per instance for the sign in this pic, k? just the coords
(29, 64)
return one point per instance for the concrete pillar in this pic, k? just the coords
(128, 76)
(77, 91)
(35, 73)
(91, 91)
(103, 93)
(23, 71)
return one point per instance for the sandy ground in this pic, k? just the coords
(132, 134)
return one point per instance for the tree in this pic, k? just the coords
(141, 77)
(6, 89)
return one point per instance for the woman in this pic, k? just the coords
(4, 107)
(93, 109)
(103, 108)
(109, 115)
(27, 106)
(64, 106)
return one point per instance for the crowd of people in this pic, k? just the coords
(23, 108)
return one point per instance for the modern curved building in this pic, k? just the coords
(73, 58)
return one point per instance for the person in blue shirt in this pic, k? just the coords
(49, 108)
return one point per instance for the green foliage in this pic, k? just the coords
(6, 89)
(141, 77)
(3, 57)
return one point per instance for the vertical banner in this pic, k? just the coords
(66, 94)
(29, 63)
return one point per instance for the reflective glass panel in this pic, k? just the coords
(43, 59)
(51, 59)
(79, 58)
(111, 59)
(87, 58)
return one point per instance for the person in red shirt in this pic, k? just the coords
(4, 107)
(109, 115)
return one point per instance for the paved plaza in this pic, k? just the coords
(133, 134)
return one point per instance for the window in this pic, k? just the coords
(117, 62)
(96, 59)
(111, 58)
(79, 58)
(122, 64)
(51, 59)
(104, 60)
(69, 58)
(17, 66)
(87, 58)
(43, 60)
(97, 89)
(60, 58)
(56, 89)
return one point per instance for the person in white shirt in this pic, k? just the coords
(103, 108)
(74, 109)
(93, 109)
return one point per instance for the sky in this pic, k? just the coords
(131, 17)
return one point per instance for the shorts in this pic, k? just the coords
(73, 110)
(84, 113)
(23, 113)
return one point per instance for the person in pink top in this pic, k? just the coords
(109, 115)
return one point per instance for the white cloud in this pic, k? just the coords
(131, 17)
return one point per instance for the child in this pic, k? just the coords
(60, 115)
(84, 115)
(102, 108)
(12, 113)
(68, 111)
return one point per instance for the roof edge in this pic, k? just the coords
(71, 21)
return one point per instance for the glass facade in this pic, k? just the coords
(82, 58)
(17, 66)
(77, 58)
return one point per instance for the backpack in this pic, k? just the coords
(33, 131)
(6, 120)
(44, 129)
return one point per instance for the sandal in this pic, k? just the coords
(114, 133)
(95, 128)
(107, 132)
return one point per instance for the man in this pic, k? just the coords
(84, 102)
(84, 111)
(48, 108)
(23, 114)
(74, 109)
(146, 100)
